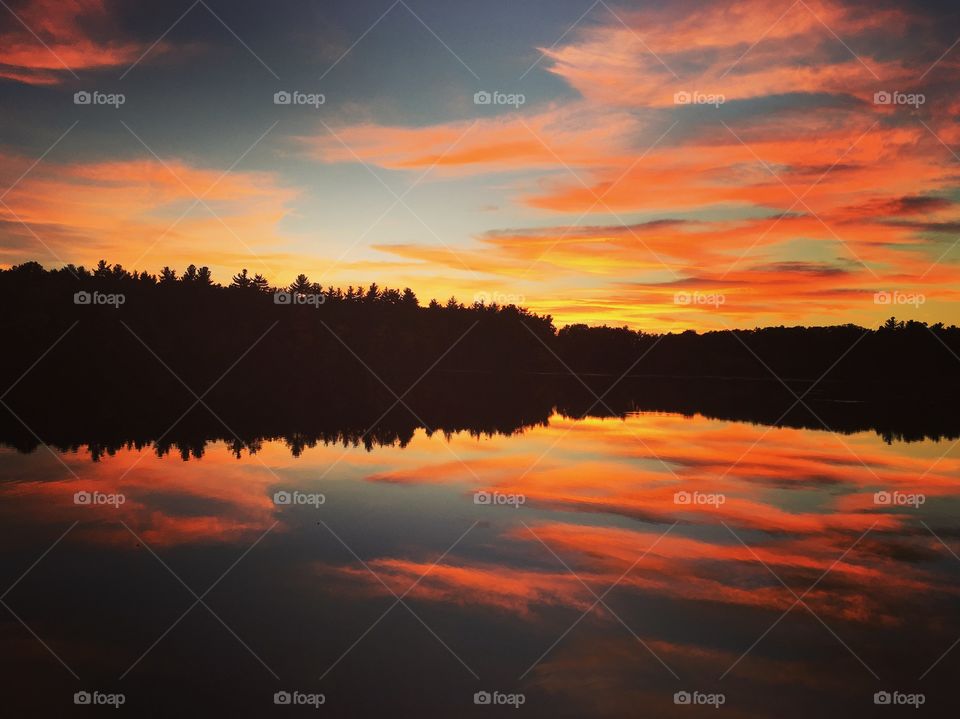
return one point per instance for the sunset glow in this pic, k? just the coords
(790, 161)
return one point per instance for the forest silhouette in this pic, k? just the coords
(108, 357)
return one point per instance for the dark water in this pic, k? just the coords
(777, 581)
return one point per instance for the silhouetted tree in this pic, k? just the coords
(260, 283)
(301, 285)
(242, 280)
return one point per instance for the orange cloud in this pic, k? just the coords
(136, 211)
(482, 146)
(792, 200)
(67, 42)
(738, 49)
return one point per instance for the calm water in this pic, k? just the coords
(587, 584)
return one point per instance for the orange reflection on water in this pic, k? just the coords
(810, 494)
(599, 493)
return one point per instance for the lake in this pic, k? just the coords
(651, 565)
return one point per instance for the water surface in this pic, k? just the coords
(619, 561)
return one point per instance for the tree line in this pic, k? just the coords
(184, 358)
(187, 327)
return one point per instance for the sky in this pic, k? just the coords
(664, 166)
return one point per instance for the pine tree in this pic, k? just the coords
(242, 280)
(301, 285)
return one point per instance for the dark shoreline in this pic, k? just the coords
(78, 372)
(486, 405)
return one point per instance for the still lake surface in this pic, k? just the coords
(617, 563)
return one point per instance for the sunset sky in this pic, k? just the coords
(787, 191)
